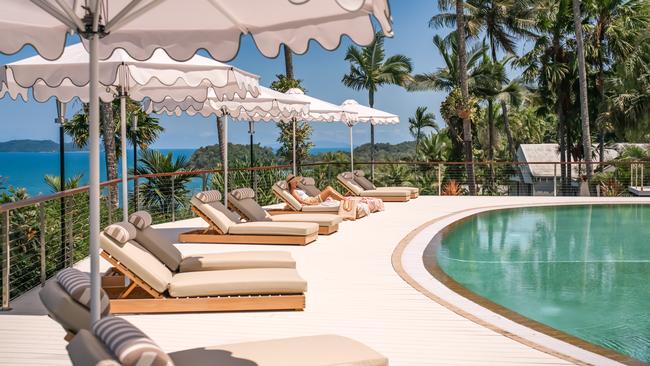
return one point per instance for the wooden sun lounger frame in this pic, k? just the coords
(139, 297)
(322, 230)
(213, 235)
(385, 199)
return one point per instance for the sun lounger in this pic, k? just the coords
(347, 181)
(161, 290)
(160, 242)
(101, 346)
(365, 183)
(224, 227)
(292, 206)
(243, 202)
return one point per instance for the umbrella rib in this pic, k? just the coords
(48, 8)
(126, 18)
(124, 12)
(68, 10)
(230, 17)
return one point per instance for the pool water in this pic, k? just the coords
(584, 270)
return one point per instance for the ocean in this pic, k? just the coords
(28, 169)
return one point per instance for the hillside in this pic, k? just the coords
(34, 146)
(383, 152)
(208, 157)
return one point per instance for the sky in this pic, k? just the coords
(321, 72)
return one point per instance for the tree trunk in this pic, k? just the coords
(371, 102)
(600, 86)
(220, 138)
(108, 132)
(506, 126)
(582, 73)
(288, 62)
(462, 70)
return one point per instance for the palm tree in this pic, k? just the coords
(54, 182)
(582, 76)
(435, 147)
(288, 62)
(419, 122)
(370, 69)
(465, 113)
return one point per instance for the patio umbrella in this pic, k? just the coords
(319, 111)
(366, 114)
(268, 106)
(181, 29)
(122, 76)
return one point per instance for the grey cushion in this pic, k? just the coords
(249, 208)
(87, 350)
(129, 344)
(77, 285)
(121, 232)
(140, 219)
(243, 193)
(65, 310)
(208, 196)
(361, 180)
(161, 246)
(308, 185)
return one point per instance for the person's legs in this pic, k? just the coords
(331, 192)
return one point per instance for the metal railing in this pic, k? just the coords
(36, 241)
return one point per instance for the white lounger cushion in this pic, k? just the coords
(412, 190)
(386, 193)
(257, 281)
(281, 188)
(320, 350)
(217, 217)
(320, 219)
(237, 260)
(321, 208)
(274, 228)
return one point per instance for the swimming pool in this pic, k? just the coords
(583, 270)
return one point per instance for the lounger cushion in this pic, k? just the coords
(274, 228)
(282, 190)
(65, 310)
(320, 219)
(347, 179)
(215, 215)
(249, 208)
(386, 193)
(412, 190)
(77, 285)
(360, 179)
(308, 185)
(87, 350)
(129, 344)
(237, 260)
(160, 243)
(243, 193)
(139, 261)
(208, 196)
(320, 350)
(321, 208)
(256, 281)
(121, 232)
(140, 219)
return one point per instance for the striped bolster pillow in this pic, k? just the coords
(121, 232)
(243, 193)
(77, 285)
(209, 196)
(129, 344)
(140, 219)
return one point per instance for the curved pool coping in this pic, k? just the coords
(408, 262)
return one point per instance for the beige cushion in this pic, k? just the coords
(308, 181)
(243, 193)
(129, 344)
(320, 350)
(347, 179)
(412, 190)
(308, 185)
(321, 208)
(256, 281)
(249, 208)
(77, 285)
(360, 179)
(282, 190)
(386, 193)
(237, 260)
(140, 219)
(161, 245)
(274, 228)
(216, 216)
(208, 196)
(87, 350)
(139, 261)
(320, 219)
(121, 232)
(61, 307)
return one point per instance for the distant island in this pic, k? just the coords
(35, 146)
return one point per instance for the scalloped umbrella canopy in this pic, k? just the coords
(322, 111)
(67, 77)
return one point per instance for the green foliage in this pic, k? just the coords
(419, 122)
(283, 84)
(434, 147)
(166, 193)
(209, 157)
(303, 142)
(54, 182)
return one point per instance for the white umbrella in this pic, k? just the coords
(366, 114)
(319, 111)
(181, 28)
(122, 76)
(269, 105)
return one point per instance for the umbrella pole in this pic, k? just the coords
(351, 151)
(251, 131)
(295, 170)
(61, 120)
(225, 162)
(125, 178)
(94, 204)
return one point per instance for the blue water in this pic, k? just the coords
(27, 169)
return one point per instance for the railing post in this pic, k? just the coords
(41, 241)
(173, 200)
(6, 262)
(204, 182)
(439, 179)
(554, 179)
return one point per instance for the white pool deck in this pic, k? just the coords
(354, 291)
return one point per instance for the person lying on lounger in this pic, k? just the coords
(305, 199)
